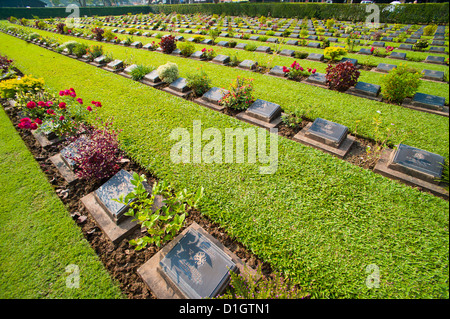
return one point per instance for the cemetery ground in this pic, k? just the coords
(320, 220)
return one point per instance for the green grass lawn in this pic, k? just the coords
(38, 238)
(319, 219)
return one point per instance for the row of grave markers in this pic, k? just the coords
(322, 134)
(420, 101)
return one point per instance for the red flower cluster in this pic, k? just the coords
(27, 123)
(69, 92)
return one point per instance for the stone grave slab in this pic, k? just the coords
(292, 42)
(221, 59)
(118, 184)
(136, 44)
(327, 136)
(378, 44)
(198, 55)
(437, 49)
(315, 45)
(262, 113)
(397, 55)
(223, 44)
(264, 49)
(207, 42)
(241, 46)
(152, 79)
(99, 61)
(64, 162)
(199, 270)
(312, 37)
(433, 75)
(114, 66)
(416, 162)
(428, 101)
(405, 46)
(254, 38)
(248, 65)
(179, 88)
(179, 38)
(315, 57)
(287, 52)
(411, 163)
(435, 59)
(352, 61)
(272, 40)
(365, 51)
(127, 71)
(317, 78)
(212, 97)
(438, 43)
(332, 39)
(366, 89)
(277, 71)
(384, 67)
(197, 267)
(411, 41)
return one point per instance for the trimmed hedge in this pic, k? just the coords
(422, 13)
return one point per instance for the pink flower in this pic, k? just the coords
(31, 105)
(61, 93)
(301, 69)
(61, 118)
(313, 71)
(49, 103)
(79, 100)
(371, 49)
(33, 126)
(50, 111)
(38, 121)
(72, 94)
(285, 69)
(41, 103)
(62, 105)
(89, 108)
(203, 50)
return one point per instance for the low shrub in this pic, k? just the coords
(140, 71)
(400, 83)
(168, 44)
(301, 54)
(98, 33)
(27, 83)
(240, 94)
(186, 48)
(334, 53)
(199, 82)
(297, 72)
(342, 76)
(80, 49)
(168, 72)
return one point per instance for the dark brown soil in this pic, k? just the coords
(121, 261)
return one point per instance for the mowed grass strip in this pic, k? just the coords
(41, 247)
(419, 129)
(320, 220)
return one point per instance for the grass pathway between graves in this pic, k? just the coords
(319, 219)
(38, 238)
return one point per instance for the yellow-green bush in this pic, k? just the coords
(9, 88)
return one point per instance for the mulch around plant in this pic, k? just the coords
(122, 260)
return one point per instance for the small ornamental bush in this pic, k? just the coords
(334, 53)
(240, 96)
(140, 71)
(186, 48)
(168, 44)
(80, 49)
(98, 158)
(60, 28)
(342, 76)
(420, 45)
(109, 35)
(400, 83)
(98, 33)
(94, 52)
(168, 72)
(199, 82)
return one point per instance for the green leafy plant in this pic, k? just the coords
(246, 286)
(198, 82)
(186, 48)
(400, 83)
(140, 71)
(168, 72)
(240, 94)
(161, 223)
